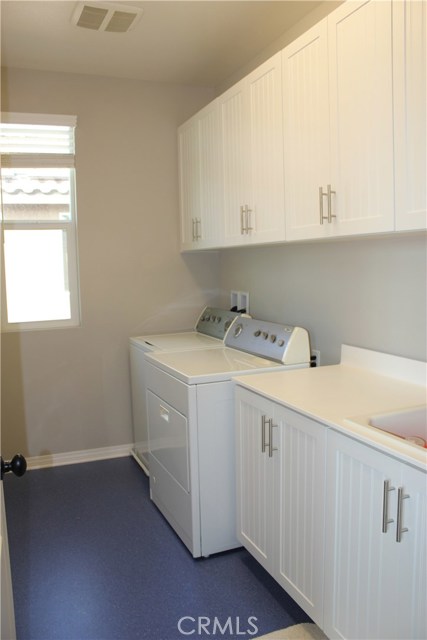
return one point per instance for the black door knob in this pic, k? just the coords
(18, 465)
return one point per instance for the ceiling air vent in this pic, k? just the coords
(106, 16)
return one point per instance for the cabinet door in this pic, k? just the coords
(361, 117)
(306, 132)
(301, 490)
(265, 189)
(200, 166)
(254, 482)
(209, 225)
(235, 161)
(361, 572)
(411, 558)
(410, 91)
(251, 121)
(189, 181)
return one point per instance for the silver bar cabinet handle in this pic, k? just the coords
(321, 196)
(242, 220)
(192, 229)
(198, 228)
(329, 193)
(263, 442)
(386, 519)
(270, 436)
(248, 219)
(399, 529)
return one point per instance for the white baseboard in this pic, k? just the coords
(75, 457)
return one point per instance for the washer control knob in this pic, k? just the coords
(281, 343)
(265, 335)
(257, 333)
(238, 330)
(273, 338)
(218, 319)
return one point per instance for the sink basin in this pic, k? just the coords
(410, 424)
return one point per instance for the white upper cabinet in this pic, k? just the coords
(251, 124)
(338, 124)
(189, 182)
(327, 138)
(306, 131)
(200, 180)
(410, 91)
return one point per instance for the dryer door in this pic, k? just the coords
(169, 439)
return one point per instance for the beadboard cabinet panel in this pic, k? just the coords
(255, 475)
(410, 113)
(361, 117)
(266, 216)
(235, 161)
(375, 583)
(280, 492)
(189, 181)
(251, 118)
(306, 132)
(338, 112)
(200, 180)
(211, 232)
(301, 489)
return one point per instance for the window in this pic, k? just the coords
(40, 272)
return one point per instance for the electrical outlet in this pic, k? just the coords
(244, 301)
(316, 354)
(240, 300)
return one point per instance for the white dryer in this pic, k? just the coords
(190, 401)
(209, 333)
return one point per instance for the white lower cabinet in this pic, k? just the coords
(280, 489)
(375, 555)
(340, 525)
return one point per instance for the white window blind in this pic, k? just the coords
(26, 143)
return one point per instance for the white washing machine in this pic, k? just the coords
(190, 402)
(209, 333)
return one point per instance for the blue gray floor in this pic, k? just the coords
(93, 559)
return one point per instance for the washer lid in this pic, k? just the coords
(176, 341)
(212, 365)
(212, 325)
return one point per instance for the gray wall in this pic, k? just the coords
(312, 18)
(367, 292)
(68, 390)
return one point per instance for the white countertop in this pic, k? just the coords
(334, 394)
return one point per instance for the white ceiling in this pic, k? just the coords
(202, 42)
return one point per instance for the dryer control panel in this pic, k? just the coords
(280, 342)
(215, 322)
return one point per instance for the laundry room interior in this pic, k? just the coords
(69, 390)
(66, 392)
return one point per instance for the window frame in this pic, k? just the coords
(68, 227)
